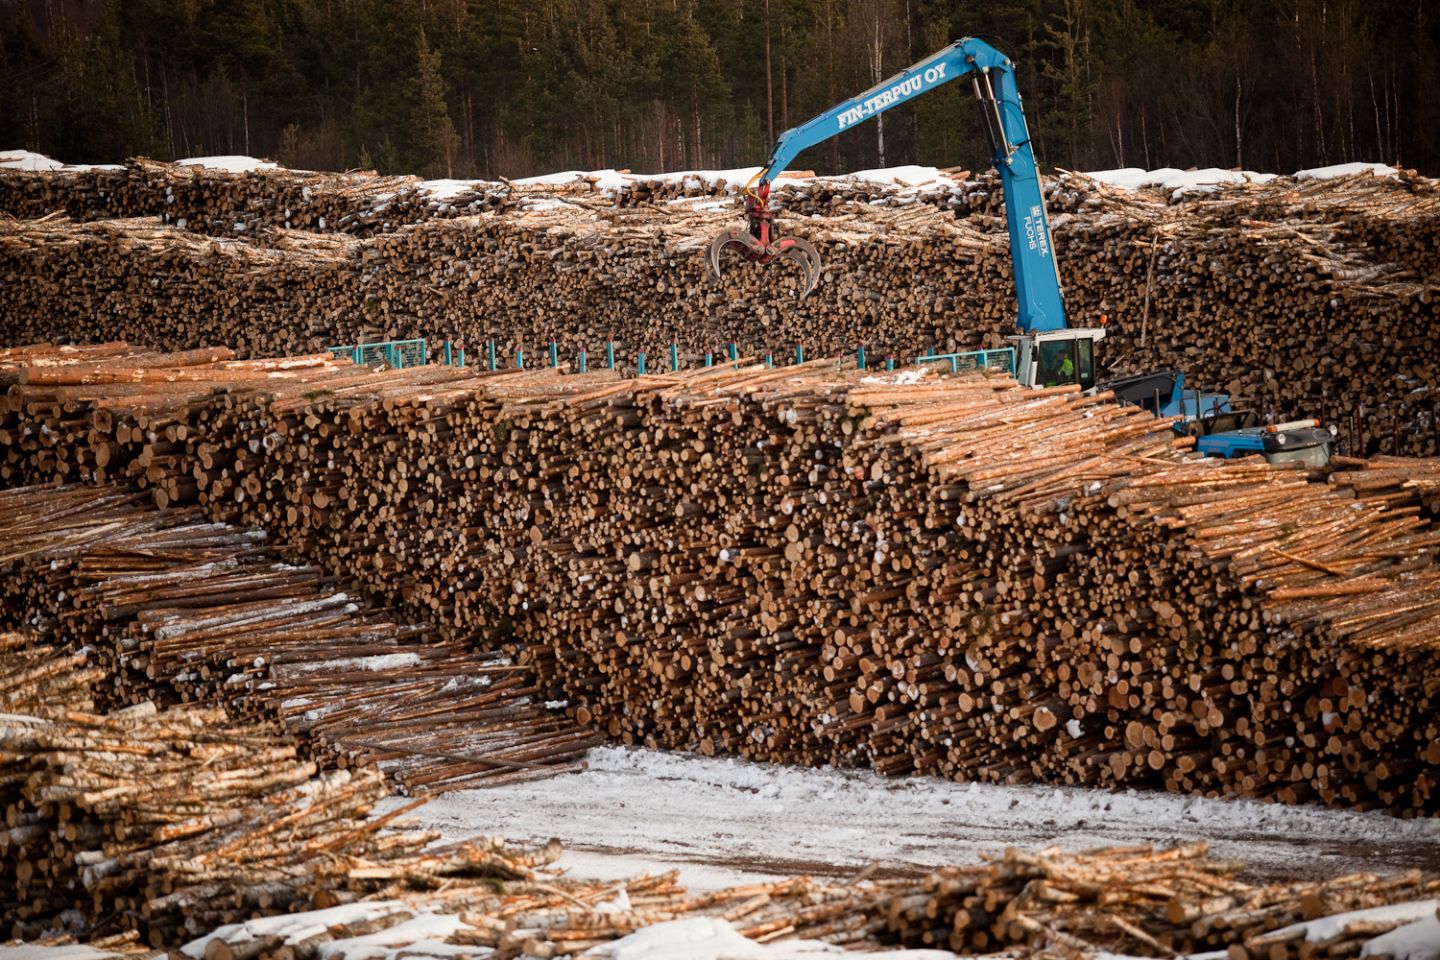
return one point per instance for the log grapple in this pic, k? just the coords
(757, 241)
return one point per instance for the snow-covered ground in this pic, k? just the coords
(729, 821)
(708, 938)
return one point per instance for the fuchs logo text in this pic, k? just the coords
(1035, 234)
(901, 91)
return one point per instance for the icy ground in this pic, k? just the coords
(728, 821)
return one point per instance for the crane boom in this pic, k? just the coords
(992, 77)
(1048, 352)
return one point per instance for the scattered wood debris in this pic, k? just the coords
(174, 822)
(176, 608)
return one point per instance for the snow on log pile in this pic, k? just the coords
(1311, 297)
(232, 196)
(176, 821)
(809, 565)
(176, 608)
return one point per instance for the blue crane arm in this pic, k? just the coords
(1037, 280)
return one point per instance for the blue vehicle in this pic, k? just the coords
(1048, 352)
(1219, 429)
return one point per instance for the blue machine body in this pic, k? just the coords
(992, 75)
(1233, 443)
(1164, 394)
(1219, 430)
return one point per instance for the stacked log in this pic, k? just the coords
(173, 608)
(1397, 478)
(1305, 299)
(224, 203)
(174, 822)
(809, 565)
(1140, 901)
(1135, 901)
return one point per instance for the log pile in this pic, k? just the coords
(174, 822)
(1145, 902)
(811, 565)
(1305, 299)
(1394, 477)
(223, 203)
(171, 607)
(1136, 901)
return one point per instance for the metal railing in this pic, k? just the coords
(399, 354)
(395, 354)
(1001, 360)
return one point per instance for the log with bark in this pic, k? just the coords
(1120, 901)
(175, 609)
(174, 822)
(1302, 298)
(811, 565)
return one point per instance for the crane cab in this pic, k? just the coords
(1053, 358)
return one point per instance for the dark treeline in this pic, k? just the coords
(514, 87)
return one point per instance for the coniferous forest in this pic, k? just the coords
(480, 88)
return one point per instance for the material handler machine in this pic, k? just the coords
(1048, 352)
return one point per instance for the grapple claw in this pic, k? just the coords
(753, 243)
(737, 239)
(803, 253)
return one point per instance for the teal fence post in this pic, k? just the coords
(982, 359)
(954, 364)
(734, 351)
(519, 359)
(554, 354)
(799, 353)
(769, 360)
(640, 363)
(449, 358)
(610, 354)
(674, 357)
(461, 355)
(709, 359)
(860, 358)
(890, 362)
(490, 346)
(580, 361)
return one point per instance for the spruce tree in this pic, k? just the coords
(431, 135)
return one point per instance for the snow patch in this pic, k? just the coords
(1325, 928)
(1180, 182)
(26, 160)
(230, 164)
(1346, 170)
(424, 927)
(726, 821)
(1414, 941)
(69, 951)
(295, 926)
(904, 176)
(907, 376)
(710, 938)
(449, 189)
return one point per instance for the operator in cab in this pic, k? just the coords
(1056, 366)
